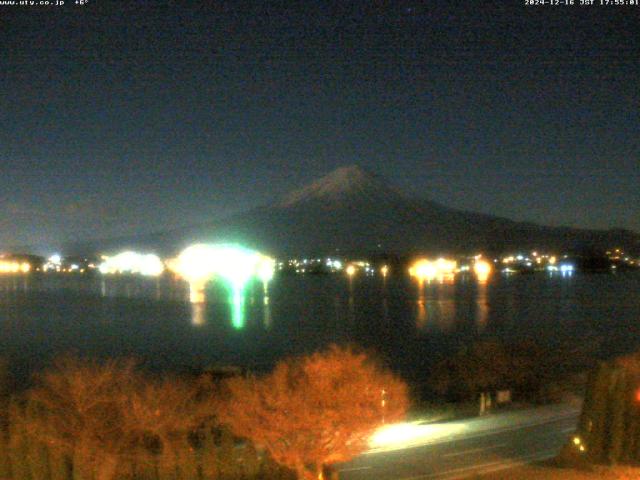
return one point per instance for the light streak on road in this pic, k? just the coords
(406, 435)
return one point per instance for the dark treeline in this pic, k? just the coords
(609, 427)
(531, 371)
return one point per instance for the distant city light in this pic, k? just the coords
(54, 262)
(445, 266)
(199, 264)
(13, 266)
(566, 268)
(131, 262)
(351, 270)
(482, 269)
(266, 269)
(425, 269)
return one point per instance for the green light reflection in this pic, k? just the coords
(234, 265)
(237, 306)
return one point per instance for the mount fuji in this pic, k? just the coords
(353, 212)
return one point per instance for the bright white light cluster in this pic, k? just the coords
(425, 269)
(358, 266)
(10, 266)
(266, 268)
(54, 262)
(482, 269)
(400, 436)
(235, 264)
(564, 268)
(134, 263)
(334, 264)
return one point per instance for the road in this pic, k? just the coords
(459, 450)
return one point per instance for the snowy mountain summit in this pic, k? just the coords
(342, 183)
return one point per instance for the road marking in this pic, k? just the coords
(510, 464)
(354, 469)
(462, 472)
(472, 450)
(521, 426)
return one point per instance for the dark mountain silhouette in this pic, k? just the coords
(353, 211)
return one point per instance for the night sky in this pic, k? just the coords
(127, 117)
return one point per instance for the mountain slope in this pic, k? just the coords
(351, 211)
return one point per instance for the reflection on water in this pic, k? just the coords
(15, 284)
(421, 314)
(266, 313)
(198, 314)
(482, 303)
(436, 308)
(110, 315)
(443, 305)
(446, 320)
(351, 308)
(385, 308)
(158, 290)
(237, 305)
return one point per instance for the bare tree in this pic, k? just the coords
(105, 416)
(158, 417)
(76, 408)
(480, 367)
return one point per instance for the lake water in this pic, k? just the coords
(152, 319)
